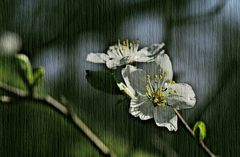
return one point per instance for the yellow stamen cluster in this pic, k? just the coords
(126, 43)
(171, 82)
(148, 78)
(155, 93)
(148, 86)
(127, 46)
(156, 90)
(159, 98)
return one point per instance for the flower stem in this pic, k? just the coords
(98, 143)
(204, 146)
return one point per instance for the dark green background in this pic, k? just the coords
(202, 39)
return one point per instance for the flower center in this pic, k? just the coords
(158, 98)
(155, 89)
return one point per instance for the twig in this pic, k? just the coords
(98, 143)
(204, 146)
(207, 149)
(13, 90)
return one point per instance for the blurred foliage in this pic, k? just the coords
(33, 127)
(30, 128)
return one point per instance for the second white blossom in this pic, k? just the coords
(126, 53)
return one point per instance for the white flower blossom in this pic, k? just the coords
(155, 95)
(126, 53)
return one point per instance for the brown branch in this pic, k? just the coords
(204, 146)
(98, 143)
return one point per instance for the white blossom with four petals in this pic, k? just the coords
(126, 53)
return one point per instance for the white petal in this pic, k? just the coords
(152, 50)
(125, 72)
(114, 53)
(150, 68)
(142, 58)
(135, 79)
(97, 57)
(113, 63)
(142, 108)
(180, 96)
(148, 54)
(138, 100)
(165, 63)
(125, 60)
(165, 117)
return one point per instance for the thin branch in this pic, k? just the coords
(207, 149)
(204, 146)
(65, 111)
(184, 122)
(54, 103)
(13, 90)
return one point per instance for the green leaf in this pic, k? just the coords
(26, 68)
(10, 73)
(38, 76)
(202, 129)
(103, 81)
